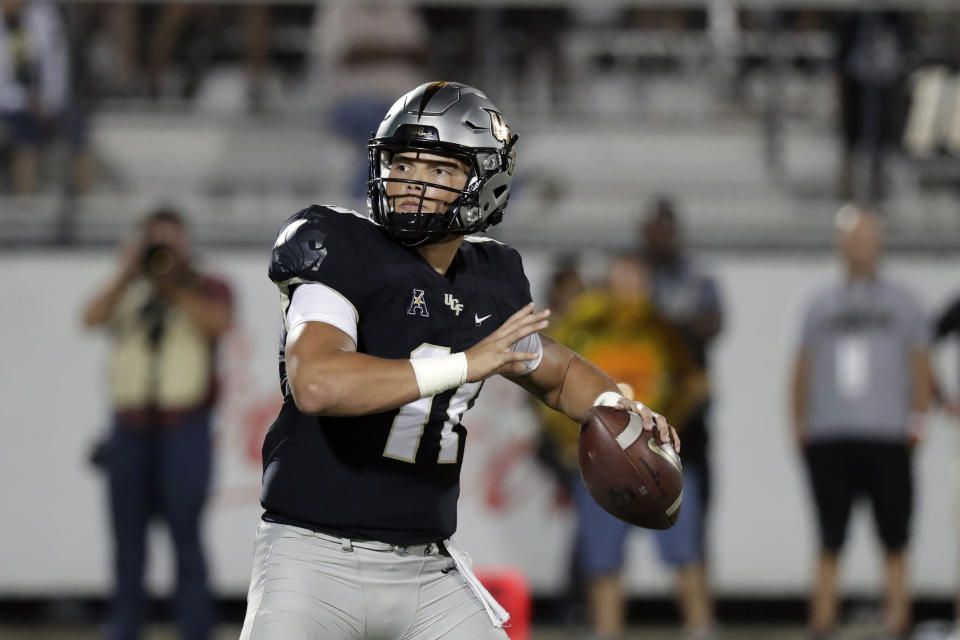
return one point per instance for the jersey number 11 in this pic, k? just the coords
(413, 419)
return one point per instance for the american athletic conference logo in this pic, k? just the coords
(418, 305)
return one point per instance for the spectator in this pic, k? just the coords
(689, 299)
(370, 53)
(35, 91)
(860, 390)
(177, 19)
(947, 325)
(873, 61)
(555, 454)
(533, 39)
(566, 285)
(618, 329)
(165, 318)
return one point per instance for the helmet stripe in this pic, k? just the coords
(432, 89)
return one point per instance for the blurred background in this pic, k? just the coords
(758, 119)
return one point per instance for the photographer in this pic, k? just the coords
(164, 318)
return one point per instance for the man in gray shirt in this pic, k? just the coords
(860, 388)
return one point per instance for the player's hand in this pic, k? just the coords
(493, 354)
(651, 420)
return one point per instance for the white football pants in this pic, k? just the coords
(308, 585)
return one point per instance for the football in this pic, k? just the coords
(627, 471)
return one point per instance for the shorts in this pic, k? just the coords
(601, 538)
(843, 470)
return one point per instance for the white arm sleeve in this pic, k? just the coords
(317, 302)
(532, 344)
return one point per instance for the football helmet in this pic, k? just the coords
(449, 119)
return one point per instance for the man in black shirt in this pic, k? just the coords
(947, 325)
(391, 325)
(688, 297)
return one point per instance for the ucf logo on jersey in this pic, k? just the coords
(453, 303)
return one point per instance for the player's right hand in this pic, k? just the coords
(651, 420)
(494, 353)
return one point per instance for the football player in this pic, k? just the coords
(391, 325)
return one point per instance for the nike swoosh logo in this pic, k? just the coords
(480, 320)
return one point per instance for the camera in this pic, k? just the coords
(158, 260)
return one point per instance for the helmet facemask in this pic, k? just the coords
(413, 228)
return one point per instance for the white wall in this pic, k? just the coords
(54, 533)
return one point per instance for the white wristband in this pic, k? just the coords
(612, 399)
(608, 399)
(439, 374)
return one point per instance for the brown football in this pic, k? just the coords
(627, 471)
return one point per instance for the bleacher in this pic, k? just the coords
(732, 109)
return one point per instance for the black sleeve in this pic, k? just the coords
(520, 290)
(948, 322)
(320, 245)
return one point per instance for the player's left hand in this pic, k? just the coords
(494, 354)
(652, 421)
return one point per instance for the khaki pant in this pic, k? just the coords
(307, 585)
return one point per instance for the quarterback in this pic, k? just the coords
(391, 325)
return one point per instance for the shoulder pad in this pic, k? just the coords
(304, 240)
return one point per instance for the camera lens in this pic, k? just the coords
(158, 260)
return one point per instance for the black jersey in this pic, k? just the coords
(392, 476)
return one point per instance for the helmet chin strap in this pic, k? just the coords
(429, 238)
(426, 237)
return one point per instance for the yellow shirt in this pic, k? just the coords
(634, 345)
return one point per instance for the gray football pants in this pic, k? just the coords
(307, 585)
